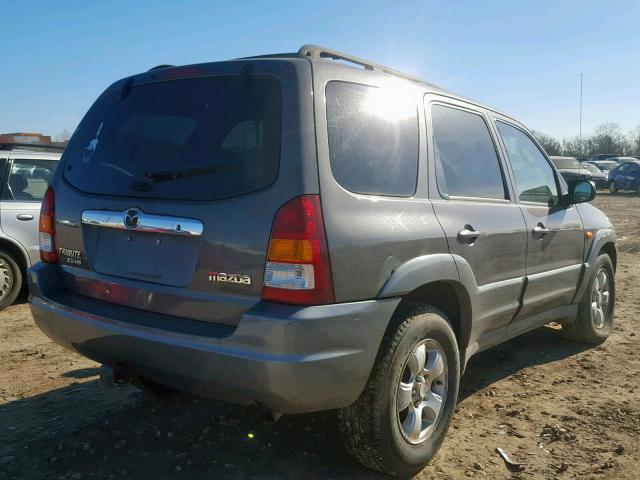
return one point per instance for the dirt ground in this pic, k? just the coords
(562, 410)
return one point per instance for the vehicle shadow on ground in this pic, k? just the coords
(88, 430)
(540, 346)
(23, 296)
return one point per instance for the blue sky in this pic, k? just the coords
(522, 57)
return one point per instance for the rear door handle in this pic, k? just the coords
(468, 235)
(24, 217)
(540, 230)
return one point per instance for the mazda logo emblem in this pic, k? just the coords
(132, 218)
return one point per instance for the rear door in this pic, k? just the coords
(473, 203)
(617, 175)
(630, 176)
(621, 178)
(555, 238)
(25, 181)
(171, 183)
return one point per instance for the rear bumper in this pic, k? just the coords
(291, 359)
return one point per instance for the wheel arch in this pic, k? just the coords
(610, 249)
(18, 254)
(434, 280)
(454, 301)
(604, 241)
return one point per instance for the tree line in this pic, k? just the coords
(606, 138)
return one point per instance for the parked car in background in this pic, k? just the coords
(293, 242)
(625, 177)
(25, 176)
(571, 169)
(602, 156)
(623, 159)
(604, 165)
(599, 177)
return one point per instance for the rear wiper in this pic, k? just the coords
(168, 175)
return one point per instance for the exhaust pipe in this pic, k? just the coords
(119, 374)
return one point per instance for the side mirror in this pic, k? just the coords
(581, 191)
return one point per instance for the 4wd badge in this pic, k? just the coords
(221, 277)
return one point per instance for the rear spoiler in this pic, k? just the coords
(13, 145)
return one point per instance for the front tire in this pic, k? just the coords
(401, 418)
(595, 318)
(10, 280)
(612, 187)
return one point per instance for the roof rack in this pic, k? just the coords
(12, 145)
(315, 51)
(158, 67)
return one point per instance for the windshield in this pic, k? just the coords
(194, 139)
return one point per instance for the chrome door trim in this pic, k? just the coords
(145, 222)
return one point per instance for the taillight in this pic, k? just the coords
(47, 228)
(297, 269)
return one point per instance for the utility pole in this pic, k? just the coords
(580, 114)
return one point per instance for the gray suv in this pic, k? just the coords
(292, 231)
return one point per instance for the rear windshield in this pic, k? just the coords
(194, 139)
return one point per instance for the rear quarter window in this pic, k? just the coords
(373, 139)
(27, 179)
(205, 138)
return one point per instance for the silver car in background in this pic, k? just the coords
(572, 169)
(25, 176)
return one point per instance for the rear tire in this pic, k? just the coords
(10, 280)
(595, 319)
(401, 418)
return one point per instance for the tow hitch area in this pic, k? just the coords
(119, 374)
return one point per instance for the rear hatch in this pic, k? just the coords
(169, 187)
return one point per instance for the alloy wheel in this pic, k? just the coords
(600, 299)
(422, 391)
(6, 278)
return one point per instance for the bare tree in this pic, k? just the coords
(607, 138)
(63, 136)
(574, 147)
(633, 142)
(550, 144)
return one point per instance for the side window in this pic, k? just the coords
(535, 180)
(28, 179)
(373, 139)
(467, 164)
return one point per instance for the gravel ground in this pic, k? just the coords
(563, 410)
